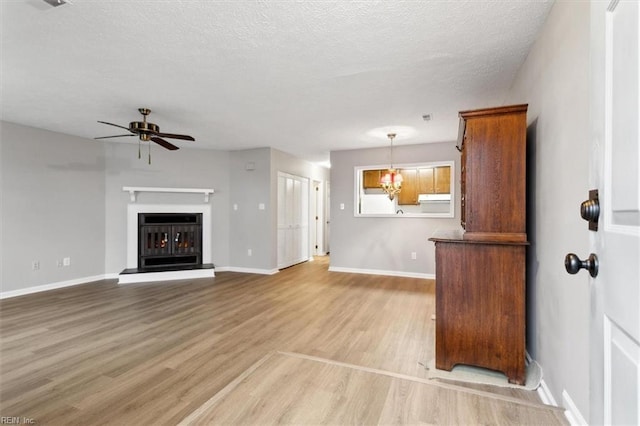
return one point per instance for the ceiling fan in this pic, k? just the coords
(146, 132)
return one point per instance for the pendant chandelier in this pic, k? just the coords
(391, 182)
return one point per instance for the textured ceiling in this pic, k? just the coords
(305, 77)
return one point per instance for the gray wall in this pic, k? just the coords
(62, 197)
(52, 207)
(249, 224)
(287, 163)
(554, 82)
(251, 227)
(185, 168)
(385, 244)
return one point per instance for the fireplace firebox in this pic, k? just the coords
(169, 240)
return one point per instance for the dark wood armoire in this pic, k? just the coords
(480, 272)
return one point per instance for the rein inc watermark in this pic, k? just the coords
(16, 420)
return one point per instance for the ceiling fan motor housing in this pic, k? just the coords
(143, 129)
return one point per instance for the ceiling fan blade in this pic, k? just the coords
(164, 143)
(111, 124)
(116, 136)
(174, 136)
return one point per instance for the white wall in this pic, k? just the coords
(52, 207)
(385, 244)
(554, 82)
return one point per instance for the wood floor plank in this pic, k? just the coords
(296, 389)
(152, 353)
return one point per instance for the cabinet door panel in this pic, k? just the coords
(463, 194)
(442, 180)
(409, 192)
(425, 181)
(371, 178)
(495, 174)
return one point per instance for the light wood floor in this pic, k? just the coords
(165, 352)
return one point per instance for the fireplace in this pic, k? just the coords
(169, 240)
(157, 269)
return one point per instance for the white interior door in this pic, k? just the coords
(293, 220)
(615, 328)
(327, 216)
(318, 219)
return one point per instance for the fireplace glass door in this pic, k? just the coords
(169, 239)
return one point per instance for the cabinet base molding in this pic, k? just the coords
(495, 237)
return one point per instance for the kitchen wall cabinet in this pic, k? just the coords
(428, 180)
(371, 178)
(409, 192)
(442, 180)
(426, 183)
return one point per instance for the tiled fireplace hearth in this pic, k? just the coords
(167, 241)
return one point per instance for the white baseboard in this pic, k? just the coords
(573, 415)
(132, 278)
(543, 390)
(545, 394)
(383, 272)
(247, 270)
(571, 412)
(52, 286)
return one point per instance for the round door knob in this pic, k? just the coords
(573, 264)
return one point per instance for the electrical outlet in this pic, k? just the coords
(249, 252)
(414, 255)
(261, 206)
(35, 265)
(66, 261)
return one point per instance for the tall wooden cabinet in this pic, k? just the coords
(480, 273)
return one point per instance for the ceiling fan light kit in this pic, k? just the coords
(146, 132)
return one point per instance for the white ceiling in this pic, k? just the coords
(305, 77)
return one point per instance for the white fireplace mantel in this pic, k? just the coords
(133, 191)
